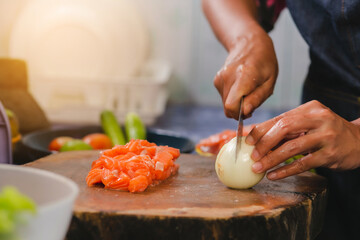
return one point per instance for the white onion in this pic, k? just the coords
(236, 175)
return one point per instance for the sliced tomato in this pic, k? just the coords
(58, 142)
(98, 141)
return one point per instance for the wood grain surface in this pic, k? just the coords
(192, 204)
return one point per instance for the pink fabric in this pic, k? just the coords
(269, 3)
(279, 6)
(276, 5)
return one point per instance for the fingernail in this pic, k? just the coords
(271, 175)
(257, 167)
(250, 140)
(255, 155)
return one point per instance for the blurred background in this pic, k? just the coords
(181, 34)
(119, 44)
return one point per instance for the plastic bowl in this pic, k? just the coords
(53, 194)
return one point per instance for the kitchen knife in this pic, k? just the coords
(239, 132)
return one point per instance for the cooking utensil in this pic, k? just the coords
(239, 132)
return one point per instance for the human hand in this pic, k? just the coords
(251, 70)
(326, 139)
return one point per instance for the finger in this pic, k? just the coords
(258, 96)
(279, 131)
(223, 82)
(232, 101)
(244, 83)
(312, 160)
(219, 83)
(301, 145)
(260, 129)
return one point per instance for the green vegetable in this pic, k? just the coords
(134, 127)
(13, 205)
(75, 145)
(111, 128)
(292, 159)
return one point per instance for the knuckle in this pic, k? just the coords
(315, 103)
(292, 147)
(276, 119)
(269, 160)
(283, 124)
(225, 73)
(240, 68)
(330, 135)
(301, 165)
(325, 113)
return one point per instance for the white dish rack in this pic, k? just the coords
(78, 100)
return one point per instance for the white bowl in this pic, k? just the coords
(53, 194)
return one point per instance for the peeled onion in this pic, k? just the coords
(237, 175)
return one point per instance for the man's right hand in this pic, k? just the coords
(250, 70)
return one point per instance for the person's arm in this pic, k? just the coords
(231, 20)
(312, 129)
(251, 67)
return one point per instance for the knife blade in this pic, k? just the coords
(239, 132)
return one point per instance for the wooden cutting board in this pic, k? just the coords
(192, 205)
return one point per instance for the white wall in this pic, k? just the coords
(9, 10)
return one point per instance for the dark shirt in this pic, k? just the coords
(331, 28)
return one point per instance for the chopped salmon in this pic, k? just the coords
(134, 166)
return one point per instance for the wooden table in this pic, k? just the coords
(192, 205)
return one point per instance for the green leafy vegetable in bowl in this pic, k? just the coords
(15, 209)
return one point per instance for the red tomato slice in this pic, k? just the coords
(98, 141)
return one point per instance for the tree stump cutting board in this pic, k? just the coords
(192, 205)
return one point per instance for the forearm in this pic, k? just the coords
(232, 19)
